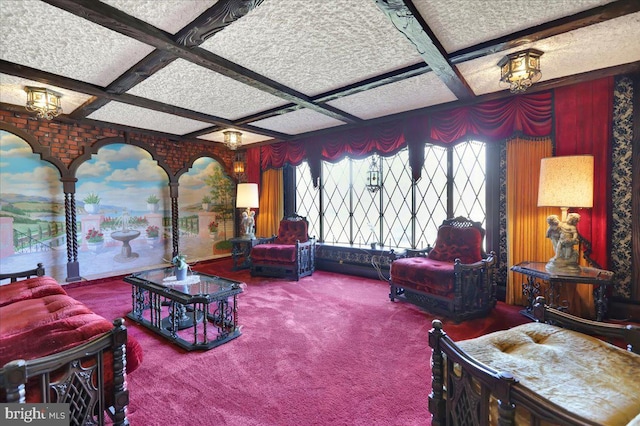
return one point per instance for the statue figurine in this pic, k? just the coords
(564, 236)
(248, 223)
(553, 232)
(568, 238)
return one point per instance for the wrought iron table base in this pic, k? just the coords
(212, 318)
(598, 278)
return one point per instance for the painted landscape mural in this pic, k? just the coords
(206, 210)
(123, 211)
(31, 210)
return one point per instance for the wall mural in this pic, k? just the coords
(32, 224)
(206, 213)
(123, 211)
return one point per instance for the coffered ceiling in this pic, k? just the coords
(285, 69)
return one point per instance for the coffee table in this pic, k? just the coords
(200, 312)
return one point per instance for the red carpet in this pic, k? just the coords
(327, 350)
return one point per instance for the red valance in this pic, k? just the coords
(385, 138)
(277, 155)
(529, 115)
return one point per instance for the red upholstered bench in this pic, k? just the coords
(49, 339)
(455, 278)
(290, 254)
(31, 288)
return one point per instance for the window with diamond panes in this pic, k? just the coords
(431, 196)
(336, 185)
(397, 200)
(402, 213)
(307, 199)
(365, 206)
(469, 181)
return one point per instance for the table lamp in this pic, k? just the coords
(565, 182)
(247, 198)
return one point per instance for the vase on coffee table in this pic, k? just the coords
(181, 274)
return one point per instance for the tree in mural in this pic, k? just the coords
(221, 188)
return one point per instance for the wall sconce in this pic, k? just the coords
(520, 70)
(565, 182)
(44, 102)
(247, 197)
(373, 179)
(239, 165)
(232, 138)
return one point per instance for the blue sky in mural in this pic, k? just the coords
(22, 172)
(192, 184)
(122, 175)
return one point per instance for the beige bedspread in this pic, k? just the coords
(583, 374)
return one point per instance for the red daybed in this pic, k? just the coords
(48, 340)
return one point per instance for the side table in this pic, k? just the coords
(599, 278)
(241, 251)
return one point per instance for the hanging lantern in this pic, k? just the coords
(374, 181)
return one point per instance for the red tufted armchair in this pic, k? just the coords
(290, 254)
(455, 278)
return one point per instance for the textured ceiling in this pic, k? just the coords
(285, 69)
(461, 24)
(206, 91)
(329, 44)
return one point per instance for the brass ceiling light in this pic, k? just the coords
(43, 101)
(232, 138)
(520, 70)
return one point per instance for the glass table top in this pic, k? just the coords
(196, 283)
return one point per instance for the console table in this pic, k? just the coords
(599, 278)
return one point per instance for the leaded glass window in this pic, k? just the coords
(402, 213)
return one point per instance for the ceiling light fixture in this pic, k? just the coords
(520, 70)
(232, 138)
(44, 102)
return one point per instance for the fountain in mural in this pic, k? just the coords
(125, 235)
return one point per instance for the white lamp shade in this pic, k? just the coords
(566, 181)
(247, 196)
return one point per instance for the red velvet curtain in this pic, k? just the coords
(276, 155)
(584, 125)
(529, 115)
(253, 165)
(386, 138)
